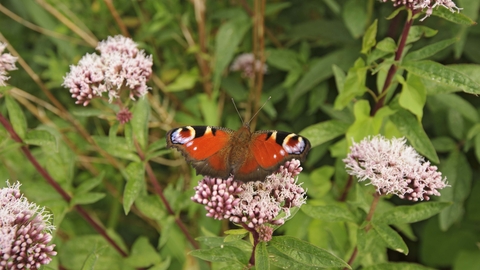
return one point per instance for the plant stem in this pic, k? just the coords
(95, 224)
(394, 67)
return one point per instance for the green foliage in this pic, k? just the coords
(338, 72)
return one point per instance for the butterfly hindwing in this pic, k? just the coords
(268, 150)
(203, 147)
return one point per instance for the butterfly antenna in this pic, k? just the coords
(248, 123)
(235, 105)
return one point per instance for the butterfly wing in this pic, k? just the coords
(269, 149)
(204, 147)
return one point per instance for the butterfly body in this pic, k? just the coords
(220, 152)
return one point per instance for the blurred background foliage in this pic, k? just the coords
(193, 43)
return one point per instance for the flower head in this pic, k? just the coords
(425, 4)
(124, 116)
(7, 63)
(120, 65)
(248, 65)
(253, 204)
(394, 168)
(25, 231)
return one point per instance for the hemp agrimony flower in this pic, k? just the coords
(25, 231)
(7, 63)
(425, 4)
(253, 204)
(394, 168)
(119, 66)
(247, 64)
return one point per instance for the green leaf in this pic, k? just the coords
(283, 59)
(459, 176)
(429, 50)
(151, 206)
(397, 266)
(209, 110)
(459, 104)
(185, 81)
(134, 173)
(387, 45)
(222, 254)
(340, 77)
(324, 131)
(261, 257)
(409, 126)
(355, 17)
(354, 85)
(89, 184)
(292, 253)
(411, 213)
(41, 138)
(141, 114)
(442, 74)
(227, 40)
(455, 17)
(322, 70)
(320, 183)
(16, 116)
(418, 31)
(143, 254)
(87, 198)
(391, 238)
(363, 125)
(330, 213)
(369, 38)
(91, 261)
(413, 95)
(444, 144)
(117, 147)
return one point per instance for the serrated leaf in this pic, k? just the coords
(87, 198)
(455, 17)
(16, 116)
(411, 213)
(150, 206)
(261, 257)
(222, 254)
(442, 74)
(391, 238)
(41, 138)
(227, 40)
(409, 126)
(324, 131)
(331, 213)
(302, 254)
(139, 122)
(134, 173)
(429, 50)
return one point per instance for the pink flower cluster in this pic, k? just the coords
(253, 204)
(25, 232)
(120, 65)
(248, 65)
(425, 4)
(7, 63)
(394, 168)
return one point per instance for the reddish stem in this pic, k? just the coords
(256, 237)
(394, 67)
(158, 189)
(96, 225)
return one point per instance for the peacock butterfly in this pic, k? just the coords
(219, 152)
